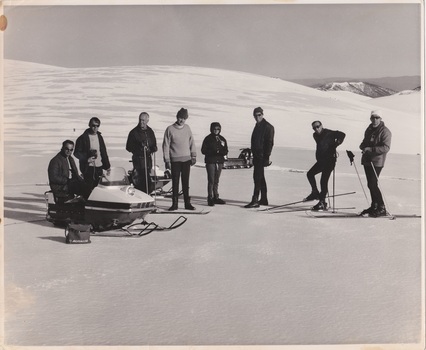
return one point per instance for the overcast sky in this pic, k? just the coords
(286, 41)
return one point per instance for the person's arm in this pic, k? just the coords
(56, 176)
(384, 144)
(166, 148)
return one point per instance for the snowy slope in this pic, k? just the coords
(62, 100)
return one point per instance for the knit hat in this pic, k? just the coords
(376, 112)
(257, 110)
(182, 113)
(214, 125)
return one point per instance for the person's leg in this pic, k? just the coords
(210, 168)
(186, 170)
(325, 176)
(218, 171)
(175, 170)
(258, 172)
(263, 190)
(316, 169)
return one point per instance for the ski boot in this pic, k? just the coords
(217, 200)
(253, 204)
(314, 195)
(321, 205)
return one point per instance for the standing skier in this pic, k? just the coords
(262, 141)
(327, 142)
(374, 147)
(141, 142)
(215, 149)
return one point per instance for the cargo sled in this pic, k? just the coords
(113, 204)
(244, 160)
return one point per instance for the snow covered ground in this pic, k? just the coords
(234, 276)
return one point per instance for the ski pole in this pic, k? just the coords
(383, 196)
(155, 182)
(146, 170)
(334, 187)
(351, 158)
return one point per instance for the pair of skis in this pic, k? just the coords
(291, 206)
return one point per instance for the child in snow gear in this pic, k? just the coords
(375, 146)
(215, 149)
(262, 141)
(327, 141)
(179, 155)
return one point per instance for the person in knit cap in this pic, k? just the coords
(179, 154)
(375, 146)
(262, 141)
(215, 148)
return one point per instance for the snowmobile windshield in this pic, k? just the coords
(115, 177)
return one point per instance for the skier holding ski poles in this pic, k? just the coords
(141, 142)
(327, 142)
(374, 147)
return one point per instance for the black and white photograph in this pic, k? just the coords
(213, 174)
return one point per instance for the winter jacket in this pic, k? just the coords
(214, 147)
(327, 142)
(58, 172)
(379, 139)
(178, 144)
(136, 141)
(262, 140)
(82, 151)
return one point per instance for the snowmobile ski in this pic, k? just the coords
(302, 201)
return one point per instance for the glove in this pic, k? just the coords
(266, 162)
(168, 166)
(193, 160)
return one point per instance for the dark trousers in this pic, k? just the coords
(325, 168)
(373, 184)
(92, 176)
(141, 176)
(259, 178)
(213, 174)
(72, 188)
(178, 169)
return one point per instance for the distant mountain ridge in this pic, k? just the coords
(360, 88)
(394, 83)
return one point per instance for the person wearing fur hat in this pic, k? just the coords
(375, 146)
(215, 148)
(262, 141)
(179, 154)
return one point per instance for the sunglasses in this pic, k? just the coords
(69, 149)
(95, 125)
(258, 115)
(375, 117)
(316, 127)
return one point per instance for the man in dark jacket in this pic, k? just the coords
(92, 154)
(64, 179)
(327, 142)
(262, 141)
(141, 142)
(215, 148)
(375, 145)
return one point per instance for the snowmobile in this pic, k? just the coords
(244, 160)
(113, 204)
